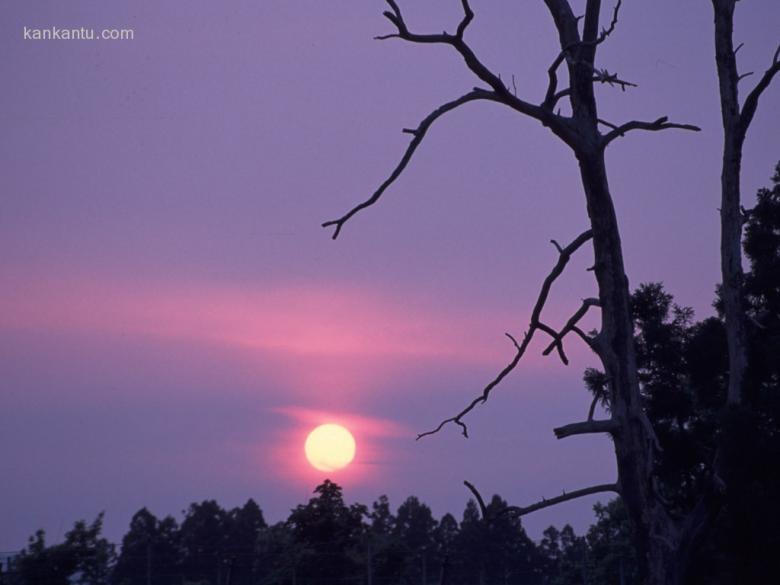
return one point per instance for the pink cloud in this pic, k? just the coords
(365, 425)
(324, 321)
(306, 321)
(329, 346)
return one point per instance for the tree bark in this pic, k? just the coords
(656, 533)
(730, 213)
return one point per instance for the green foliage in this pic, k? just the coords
(612, 559)
(414, 531)
(150, 547)
(93, 554)
(243, 527)
(566, 556)
(495, 549)
(683, 369)
(84, 558)
(762, 246)
(328, 535)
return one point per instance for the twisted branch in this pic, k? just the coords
(500, 93)
(473, 63)
(564, 255)
(608, 31)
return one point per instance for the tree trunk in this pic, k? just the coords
(730, 212)
(663, 543)
(656, 532)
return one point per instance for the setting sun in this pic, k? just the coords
(330, 447)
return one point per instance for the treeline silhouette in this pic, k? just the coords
(683, 369)
(327, 542)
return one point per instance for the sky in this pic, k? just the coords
(174, 320)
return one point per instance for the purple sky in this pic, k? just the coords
(173, 319)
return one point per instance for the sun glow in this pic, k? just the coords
(330, 447)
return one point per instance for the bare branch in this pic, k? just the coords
(457, 419)
(599, 76)
(608, 31)
(592, 409)
(661, 123)
(744, 75)
(607, 124)
(604, 76)
(589, 340)
(476, 66)
(552, 96)
(587, 427)
(565, 497)
(571, 325)
(564, 255)
(418, 135)
(478, 496)
(387, 36)
(563, 259)
(468, 16)
(557, 342)
(751, 102)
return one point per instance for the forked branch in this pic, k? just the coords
(417, 137)
(500, 93)
(751, 102)
(474, 64)
(661, 123)
(571, 325)
(608, 31)
(564, 255)
(543, 503)
(552, 96)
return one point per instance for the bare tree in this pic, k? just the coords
(736, 121)
(663, 539)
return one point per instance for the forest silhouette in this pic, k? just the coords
(683, 367)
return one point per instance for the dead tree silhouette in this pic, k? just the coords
(664, 539)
